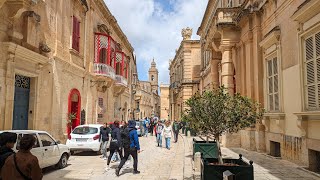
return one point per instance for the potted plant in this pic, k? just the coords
(215, 112)
(70, 117)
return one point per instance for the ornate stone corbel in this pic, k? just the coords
(34, 15)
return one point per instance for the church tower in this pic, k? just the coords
(153, 77)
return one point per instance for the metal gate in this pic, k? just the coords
(21, 102)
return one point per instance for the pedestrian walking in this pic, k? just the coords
(159, 132)
(7, 141)
(176, 129)
(167, 133)
(23, 165)
(115, 143)
(104, 136)
(152, 124)
(146, 125)
(131, 147)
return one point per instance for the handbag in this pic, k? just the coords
(17, 168)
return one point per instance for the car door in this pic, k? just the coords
(51, 149)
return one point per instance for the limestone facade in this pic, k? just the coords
(147, 99)
(268, 51)
(164, 101)
(59, 57)
(184, 74)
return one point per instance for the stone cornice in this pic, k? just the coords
(24, 53)
(113, 22)
(306, 10)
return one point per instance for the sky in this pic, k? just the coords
(153, 28)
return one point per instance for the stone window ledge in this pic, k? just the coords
(276, 115)
(311, 115)
(75, 52)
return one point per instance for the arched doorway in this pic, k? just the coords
(74, 106)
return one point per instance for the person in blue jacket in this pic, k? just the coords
(131, 147)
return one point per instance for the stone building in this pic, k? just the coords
(268, 51)
(59, 58)
(164, 101)
(146, 95)
(184, 74)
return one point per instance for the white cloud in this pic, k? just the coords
(154, 31)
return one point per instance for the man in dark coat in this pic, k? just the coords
(104, 136)
(7, 141)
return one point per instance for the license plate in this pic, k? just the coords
(81, 140)
(80, 144)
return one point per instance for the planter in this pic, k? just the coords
(207, 149)
(211, 170)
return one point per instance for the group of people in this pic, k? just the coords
(21, 165)
(124, 141)
(166, 130)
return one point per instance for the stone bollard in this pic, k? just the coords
(197, 162)
(227, 175)
(189, 134)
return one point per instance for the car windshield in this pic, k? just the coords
(85, 130)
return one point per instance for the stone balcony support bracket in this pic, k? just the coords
(303, 118)
(278, 117)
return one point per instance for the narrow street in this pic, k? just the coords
(154, 163)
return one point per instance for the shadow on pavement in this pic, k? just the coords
(85, 153)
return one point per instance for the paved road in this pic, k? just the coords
(154, 163)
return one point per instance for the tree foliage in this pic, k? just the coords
(216, 112)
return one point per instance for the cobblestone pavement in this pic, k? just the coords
(154, 163)
(268, 168)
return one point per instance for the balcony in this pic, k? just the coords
(227, 16)
(120, 85)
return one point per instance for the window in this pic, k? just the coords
(103, 55)
(100, 102)
(152, 78)
(273, 84)
(85, 130)
(36, 144)
(76, 34)
(312, 71)
(46, 140)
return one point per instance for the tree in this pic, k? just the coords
(216, 112)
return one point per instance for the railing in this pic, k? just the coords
(104, 70)
(121, 80)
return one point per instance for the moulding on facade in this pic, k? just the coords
(278, 117)
(271, 38)
(306, 10)
(24, 53)
(303, 118)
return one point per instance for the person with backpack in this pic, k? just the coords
(176, 129)
(104, 136)
(7, 141)
(115, 143)
(131, 147)
(159, 132)
(23, 164)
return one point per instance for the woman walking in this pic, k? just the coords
(167, 133)
(115, 143)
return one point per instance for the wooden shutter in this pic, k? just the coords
(310, 74)
(75, 34)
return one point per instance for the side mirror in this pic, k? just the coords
(58, 142)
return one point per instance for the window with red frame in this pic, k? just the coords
(76, 34)
(103, 56)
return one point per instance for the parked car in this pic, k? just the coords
(85, 138)
(48, 151)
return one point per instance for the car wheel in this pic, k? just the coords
(63, 161)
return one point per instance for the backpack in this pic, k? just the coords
(125, 137)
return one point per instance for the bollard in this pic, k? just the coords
(197, 162)
(227, 175)
(189, 133)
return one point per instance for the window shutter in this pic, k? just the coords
(318, 44)
(75, 33)
(310, 74)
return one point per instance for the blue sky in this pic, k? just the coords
(153, 27)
